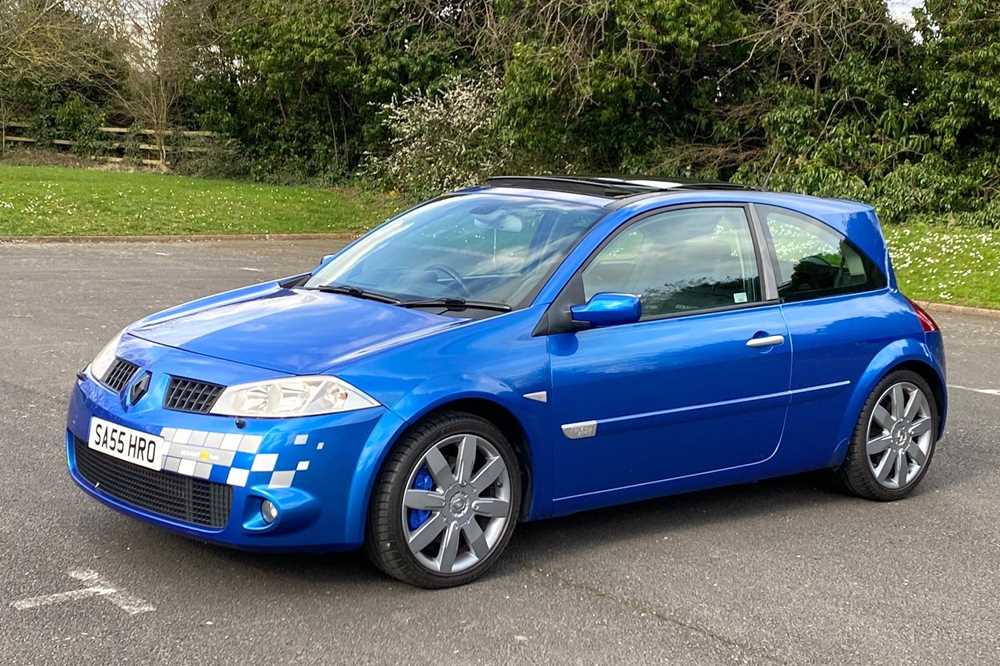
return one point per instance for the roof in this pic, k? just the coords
(635, 192)
(606, 187)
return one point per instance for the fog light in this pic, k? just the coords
(268, 511)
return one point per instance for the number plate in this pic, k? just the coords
(117, 441)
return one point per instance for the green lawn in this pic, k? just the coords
(939, 263)
(947, 264)
(51, 200)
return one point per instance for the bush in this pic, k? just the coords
(986, 214)
(79, 122)
(929, 187)
(215, 158)
(442, 141)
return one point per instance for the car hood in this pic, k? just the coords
(292, 331)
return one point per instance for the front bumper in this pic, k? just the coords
(317, 470)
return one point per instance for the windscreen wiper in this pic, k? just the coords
(356, 292)
(456, 304)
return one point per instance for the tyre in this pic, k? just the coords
(894, 439)
(446, 502)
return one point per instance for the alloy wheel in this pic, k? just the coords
(899, 436)
(456, 504)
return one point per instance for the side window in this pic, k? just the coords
(814, 260)
(680, 261)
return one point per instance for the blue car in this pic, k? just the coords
(520, 350)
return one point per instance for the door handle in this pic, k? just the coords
(767, 341)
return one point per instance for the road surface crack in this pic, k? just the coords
(658, 615)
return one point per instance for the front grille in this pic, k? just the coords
(185, 498)
(118, 374)
(190, 395)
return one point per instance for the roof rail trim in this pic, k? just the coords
(592, 187)
(607, 187)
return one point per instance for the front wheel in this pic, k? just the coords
(894, 439)
(446, 502)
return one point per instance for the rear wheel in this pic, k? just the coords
(894, 439)
(446, 502)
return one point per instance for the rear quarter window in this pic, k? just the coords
(812, 260)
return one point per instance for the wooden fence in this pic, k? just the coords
(14, 134)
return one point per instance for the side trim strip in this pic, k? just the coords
(584, 429)
(723, 403)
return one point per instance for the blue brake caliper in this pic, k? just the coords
(418, 517)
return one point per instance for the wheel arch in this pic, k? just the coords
(385, 440)
(935, 381)
(905, 354)
(504, 419)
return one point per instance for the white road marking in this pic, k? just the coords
(995, 392)
(98, 587)
(252, 270)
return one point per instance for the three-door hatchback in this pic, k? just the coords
(525, 349)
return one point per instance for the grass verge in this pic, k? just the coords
(947, 264)
(61, 201)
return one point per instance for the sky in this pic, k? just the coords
(901, 9)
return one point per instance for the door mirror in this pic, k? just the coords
(325, 260)
(608, 310)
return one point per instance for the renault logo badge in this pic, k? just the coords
(139, 389)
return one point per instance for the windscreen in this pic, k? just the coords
(483, 247)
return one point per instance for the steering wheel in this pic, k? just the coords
(450, 272)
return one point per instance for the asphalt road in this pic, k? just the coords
(784, 571)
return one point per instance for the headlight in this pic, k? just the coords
(294, 396)
(102, 362)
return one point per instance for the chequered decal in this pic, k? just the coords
(228, 458)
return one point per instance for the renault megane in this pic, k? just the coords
(524, 349)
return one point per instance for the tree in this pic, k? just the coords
(961, 73)
(142, 32)
(47, 45)
(160, 42)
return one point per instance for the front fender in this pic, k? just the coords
(381, 439)
(893, 355)
(495, 360)
(426, 398)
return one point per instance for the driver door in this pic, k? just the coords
(698, 385)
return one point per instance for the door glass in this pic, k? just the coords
(814, 260)
(680, 261)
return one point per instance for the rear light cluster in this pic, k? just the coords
(926, 321)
